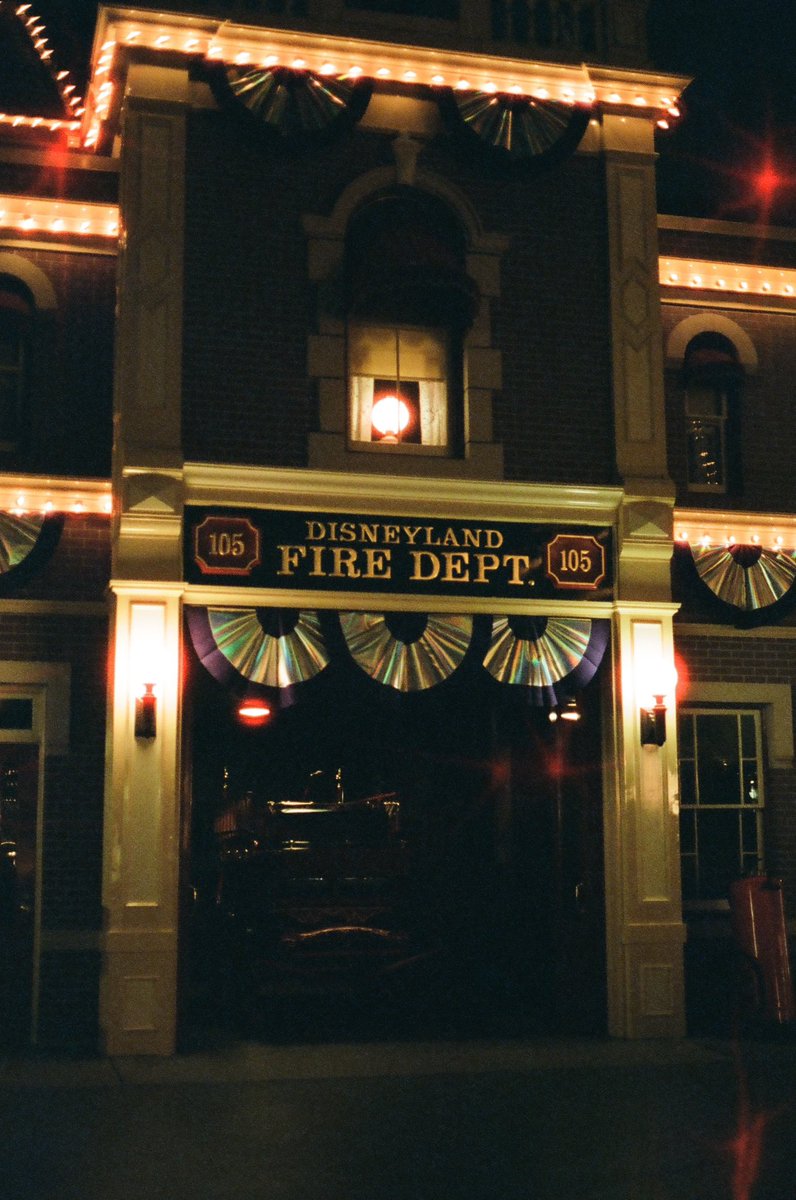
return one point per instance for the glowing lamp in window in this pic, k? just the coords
(397, 387)
(390, 418)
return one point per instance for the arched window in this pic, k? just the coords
(409, 302)
(712, 380)
(16, 322)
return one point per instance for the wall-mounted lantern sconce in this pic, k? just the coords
(653, 723)
(656, 686)
(146, 713)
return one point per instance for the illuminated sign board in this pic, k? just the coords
(314, 551)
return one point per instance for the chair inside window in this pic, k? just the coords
(712, 379)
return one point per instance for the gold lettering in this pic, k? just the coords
(348, 531)
(317, 555)
(392, 533)
(471, 537)
(457, 566)
(411, 532)
(344, 563)
(449, 538)
(291, 557)
(484, 564)
(316, 531)
(377, 564)
(418, 557)
(493, 539)
(369, 533)
(519, 564)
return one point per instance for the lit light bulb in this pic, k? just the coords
(253, 711)
(390, 417)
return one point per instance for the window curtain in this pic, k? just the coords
(433, 411)
(433, 414)
(361, 407)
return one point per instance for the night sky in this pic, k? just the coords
(731, 155)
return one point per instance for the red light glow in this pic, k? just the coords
(768, 181)
(253, 712)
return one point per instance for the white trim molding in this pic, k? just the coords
(774, 699)
(50, 682)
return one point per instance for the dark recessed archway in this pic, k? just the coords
(485, 870)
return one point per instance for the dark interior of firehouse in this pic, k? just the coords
(362, 861)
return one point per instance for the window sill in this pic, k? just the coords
(408, 448)
(330, 452)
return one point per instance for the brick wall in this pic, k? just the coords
(69, 419)
(768, 432)
(552, 320)
(716, 247)
(71, 834)
(249, 305)
(78, 568)
(73, 817)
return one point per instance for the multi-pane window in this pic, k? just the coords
(409, 303)
(713, 381)
(721, 800)
(397, 378)
(706, 421)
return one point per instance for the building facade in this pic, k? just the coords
(349, 366)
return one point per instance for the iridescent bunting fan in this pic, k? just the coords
(747, 577)
(552, 656)
(274, 648)
(18, 536)
(26, 542)
(515, 130)
(291, 107)
(409, 652)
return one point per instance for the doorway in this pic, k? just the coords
(369, 863)
(19, 887)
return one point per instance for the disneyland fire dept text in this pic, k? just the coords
(445, 555)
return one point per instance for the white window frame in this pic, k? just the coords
(439, 448)
(48, 686)
(695, 710)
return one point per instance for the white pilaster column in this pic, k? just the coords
(138, 1002)
(141, 837)
(645, 930)
(637, 350)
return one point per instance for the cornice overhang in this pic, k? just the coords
(23, 494)
(34, 217)
(714, 527)
(49, 111)
(124, 34)
(684, 275)
(264, 487)
(752, 231)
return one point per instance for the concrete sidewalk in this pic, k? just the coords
(498, 1120)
